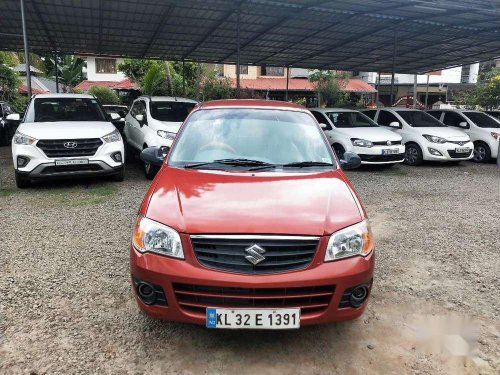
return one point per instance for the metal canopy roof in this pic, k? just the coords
(347, 35)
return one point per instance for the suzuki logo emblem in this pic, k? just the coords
(70, 144)
(255, 252)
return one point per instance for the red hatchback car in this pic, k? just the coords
(251, 223)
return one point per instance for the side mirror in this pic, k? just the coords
(13, 117)
(114, 116)
(153, 156)
(350, 160)
(463, 124)
(323, 126)
(395, 124)
(139, 118)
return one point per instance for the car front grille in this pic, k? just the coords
(384, 143)
(196, 298)
(457, 155)
(460, 143)
(381, 158)
(233, 253)
(55, 148)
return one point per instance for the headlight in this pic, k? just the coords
(361, 142)
(495, 135)
(151, 236)
(23, 139)
(114, 136)
(167, 135)
(434, 139)
(354, 240)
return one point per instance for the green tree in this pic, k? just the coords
(214, 87)
(488, 90)
(330, 86)
(9, 81)
(155, 81)
(104, 94)
(70, 70)
(136, 69)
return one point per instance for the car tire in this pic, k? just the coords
(482, 153)
(150, 171)
(413, 154)
(130, 154)
(22, 182)
(120, 176)
(4, 137)
(339, 150)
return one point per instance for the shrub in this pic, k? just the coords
(104, 94)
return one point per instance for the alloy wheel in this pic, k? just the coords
(479, 153)
(411, 155)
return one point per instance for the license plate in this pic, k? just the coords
(72, 162)
(390, 151)
(253, 318)
(462, 150)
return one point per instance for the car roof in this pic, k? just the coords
(80, 96)
(167, 99)
(251, 103)
(333, 110)
(401, 109)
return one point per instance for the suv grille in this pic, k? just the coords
(197, 298)
(280, 253)
(54, 148)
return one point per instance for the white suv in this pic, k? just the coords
(66, 135)
(424, 137)
(483, 130)
(350, 130)
(154, 122)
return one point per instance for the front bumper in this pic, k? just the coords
(446, 151)
(168, 274)
(374, 155)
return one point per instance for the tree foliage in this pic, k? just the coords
(9, 79)
(330, 85)
(104, 94)
(486, 93)
(70, 69)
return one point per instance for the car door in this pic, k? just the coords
(386, 117)
(133, 126)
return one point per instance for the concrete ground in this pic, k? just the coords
(66, 305)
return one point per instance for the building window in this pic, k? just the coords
(105, 66)
(273, 71)
(243, 69)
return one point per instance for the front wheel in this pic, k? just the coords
(413, 154)
(150, 170)
(339, 150)
(22, 182)
(482, 153)
(120, 176)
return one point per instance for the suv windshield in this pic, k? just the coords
(249, 137)
(482, 120)
(419, 119)
(170, 111)
(350, 120)
(67, 109)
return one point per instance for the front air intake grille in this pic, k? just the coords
(458, 155)
(381, 158)
(197, 298)
(255, 255)
(60, 148)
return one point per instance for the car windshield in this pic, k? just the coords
(249, 137)
(419, 119)
(482, 120)
(350, 120)
(67, 109)
(171, 111)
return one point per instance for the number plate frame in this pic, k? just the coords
(227, 318)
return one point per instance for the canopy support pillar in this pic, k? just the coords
(287, 78)
(393, 66)
(56, 67)
(427, 91)
(26, 50)
(415, 77)
(183, 79)
(378, 90)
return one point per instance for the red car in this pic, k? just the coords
(251, 223)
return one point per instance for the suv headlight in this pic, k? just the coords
(434, 139)
(351, 241)
(23, 139)
(165, 134)
(361, 142)
(114, 136)
(151, 236)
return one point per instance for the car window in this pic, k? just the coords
(495, 114)
(121, 111)
(370, 113)
(435, 114)
(267, 135)
(386, 117)
(482, 120)
(453, 119)
(139, 108)
(350, 120)
(67, 109)
(420, 119)
(321, 119)
(170, 111)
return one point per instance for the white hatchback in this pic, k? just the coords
(350, 130)
(424, 137)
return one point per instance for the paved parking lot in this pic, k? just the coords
(66, 305)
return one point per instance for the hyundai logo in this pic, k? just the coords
(70, 144)
(255, 252)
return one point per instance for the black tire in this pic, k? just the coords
(150, 171)
(339, 150)
(22, 182)
(482, 152)
(120, 176)
(413, 154)
(4, 137)
(130, 153)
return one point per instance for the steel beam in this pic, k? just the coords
(26, 49)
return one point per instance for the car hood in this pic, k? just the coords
(66, 129)
(172, 127)
(200, 201)
(375, 134)
(447, 133)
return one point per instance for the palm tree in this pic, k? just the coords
(70, 70)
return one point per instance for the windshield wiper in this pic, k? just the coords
(305, 164)
(233, 162)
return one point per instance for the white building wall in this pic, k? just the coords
(92, 75)
(451, 75)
